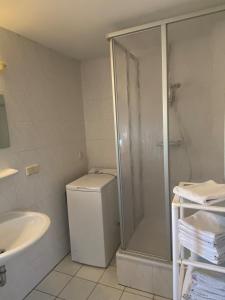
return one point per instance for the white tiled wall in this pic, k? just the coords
(98, 111)
(43, 99)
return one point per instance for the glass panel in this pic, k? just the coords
(196, 98)
(137, 63)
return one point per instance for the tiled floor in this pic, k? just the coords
(73, 281)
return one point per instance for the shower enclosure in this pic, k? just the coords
(169, 92)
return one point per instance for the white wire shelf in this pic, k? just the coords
(179, 205)
(202, 265)
(182, 203)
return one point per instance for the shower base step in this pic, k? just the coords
(144, 274)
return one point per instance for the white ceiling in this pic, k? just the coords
(77, 28)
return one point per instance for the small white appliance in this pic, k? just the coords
(93, 217)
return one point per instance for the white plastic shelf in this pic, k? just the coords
(179, 260)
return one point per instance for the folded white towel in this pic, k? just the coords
(209, 225)
(210, 279)
(207, 193)
(201, 245)
(204, 252)
(203, 233)
(197, 294)
(214, 242)
(204, 284)
(208, 290)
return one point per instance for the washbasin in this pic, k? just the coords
(19, 230)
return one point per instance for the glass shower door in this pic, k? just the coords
(196, 98)
(138, 91)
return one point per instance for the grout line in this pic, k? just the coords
(73, 275)
(71, 280)
(42, 293)
(111, 287)
(64, 286)
(102, 275)
(92, 291)
(151, 296)
(108, 285)
(81, 265)
(60, 290)
(63, 273)
(105, 286)
(35, 287)
(87, 280)
(121, 294)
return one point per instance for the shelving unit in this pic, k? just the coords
(179, 261)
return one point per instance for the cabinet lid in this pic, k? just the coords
(90, 182)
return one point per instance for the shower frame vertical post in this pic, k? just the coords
(166, 132)
(117, 141)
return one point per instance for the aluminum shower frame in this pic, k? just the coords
(162, 24)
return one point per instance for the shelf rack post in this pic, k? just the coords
(176, 266)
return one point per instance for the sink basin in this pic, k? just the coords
(19, 230)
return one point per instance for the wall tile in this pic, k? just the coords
(98, 112)
(45, 113)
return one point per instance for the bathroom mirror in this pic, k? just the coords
(4, 132)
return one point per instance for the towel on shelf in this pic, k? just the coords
(204, 234)
(217, 242)
(203, 284)
(197, 294)
(210, 279)
(217, 259)
(205, 224)
(207, 193)
(196, 287)
(200, 244)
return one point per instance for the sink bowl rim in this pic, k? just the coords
(10, 215)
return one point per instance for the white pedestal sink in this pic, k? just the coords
(19, 230)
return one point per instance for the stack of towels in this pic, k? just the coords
(202, 285)
(204, 234)
(206, 193)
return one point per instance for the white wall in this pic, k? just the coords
(44, 105)
(98, 111)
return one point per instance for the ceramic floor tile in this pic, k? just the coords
(137, 292)
(54, 283)
(128, 296)
(102, 292)
(160, 298)
(67, 266)
(77, 289)
(36, 295)
(110, 278)
(90, 273)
